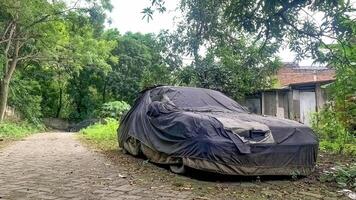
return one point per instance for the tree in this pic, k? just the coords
(306, 27)
(24, 36)
(303, 25)
(90, 54)
(224, 58)
(141, 65)
(40, 31)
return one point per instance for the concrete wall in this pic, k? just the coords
(12, 114)
(282, 109)
(295, 105)
(56, 123)
(269, 103)
(253, 104)
(282, 103)
(320, 96)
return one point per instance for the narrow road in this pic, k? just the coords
(56, 166)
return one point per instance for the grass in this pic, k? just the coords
(16, 130)
(102, 135)
(338, 147)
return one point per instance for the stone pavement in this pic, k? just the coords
(56, 166)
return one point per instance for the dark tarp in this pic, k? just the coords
(206, 125)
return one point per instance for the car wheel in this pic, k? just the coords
(178, 169)
(132, 146)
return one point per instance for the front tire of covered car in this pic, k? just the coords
(178, 168)
(132, 146)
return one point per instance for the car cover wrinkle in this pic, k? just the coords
(223, 105)
(287, 135)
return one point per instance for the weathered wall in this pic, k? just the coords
(282, 109)
(321, 97)
(253, 105)
(56, 123)
(269, 103)
(12, 114)
(295, 105)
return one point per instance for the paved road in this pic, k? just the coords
(56, 166)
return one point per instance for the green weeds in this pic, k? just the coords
(17, 130)
(102, 135)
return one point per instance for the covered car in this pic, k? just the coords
(206, 130)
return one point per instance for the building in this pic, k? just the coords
(300, 91)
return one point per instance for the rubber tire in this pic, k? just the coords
(178, 169)
(132, 146)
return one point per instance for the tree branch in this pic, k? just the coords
(44, 18)
(5, 32)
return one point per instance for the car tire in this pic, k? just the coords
(178, 169)
(132, 146)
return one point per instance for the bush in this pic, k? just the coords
(343, 175)
(333, 134)
(114, 109)
(103, 134)
(17, 130)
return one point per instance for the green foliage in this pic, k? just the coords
(343, 175)
(333, 134)
(26, 98)
(225, 57)
(254, 30)
(104, 135)
(271, 22)
(114, 109)
(16, 130)
(51, 44)
(336, 124)
(140, 65)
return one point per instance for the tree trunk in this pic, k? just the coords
(5, 82)
(4, 90)
(60, 102)
(104, 91)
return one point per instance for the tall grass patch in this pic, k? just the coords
(102, 134)
(17, 130)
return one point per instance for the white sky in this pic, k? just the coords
(126, 16)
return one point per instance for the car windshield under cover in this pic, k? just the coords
(195, 99)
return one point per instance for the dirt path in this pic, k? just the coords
(56, 166)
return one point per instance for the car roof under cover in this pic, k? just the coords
(197, 99)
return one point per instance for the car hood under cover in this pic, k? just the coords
(229, 137)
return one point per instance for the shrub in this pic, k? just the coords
(17, 130)
(343, 175)
(114, 109)
(333, 134)
(103, 134)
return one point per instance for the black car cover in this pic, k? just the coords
(204, 124)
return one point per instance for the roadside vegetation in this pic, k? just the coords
(335, 135)
(102, 135)
(17, 130)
